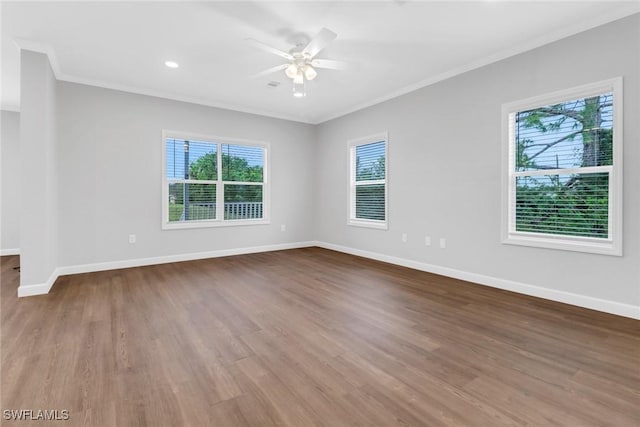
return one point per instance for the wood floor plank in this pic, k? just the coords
(309, 337)
(319, 399)
(279, 394)
(227, 412)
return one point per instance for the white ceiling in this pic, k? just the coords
(391, 46)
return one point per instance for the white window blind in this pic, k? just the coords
(368, 186)
(199, 193)
(564, 175)
(243, 180)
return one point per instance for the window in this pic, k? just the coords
(368, 181)
(211, 181)
(563, 177)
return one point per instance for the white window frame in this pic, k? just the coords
(352, 145)
(219, 221)
(613, 244)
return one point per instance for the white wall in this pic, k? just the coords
(110, 172)
(10, 181)
(38, 175)
(445, 168)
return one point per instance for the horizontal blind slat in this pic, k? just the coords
(575, 204)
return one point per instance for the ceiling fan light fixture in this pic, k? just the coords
(292, 71)
(310, 73)
(299, 78)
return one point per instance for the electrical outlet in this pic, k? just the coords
(132, 238)
(427, 240)
(404, 237)
(443, 242)
(283, 227)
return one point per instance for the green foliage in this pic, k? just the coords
(561, 123)
(374, 170)
(534, 119)
(176, 194)
(242, 193)
(202, 197)
(523, 160)
(204, 168)
(370, 202)
(238, 169)
(175, 212)
(233, 169)
(196, 212)
(575, 205)
(604, 156)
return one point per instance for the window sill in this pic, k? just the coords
(380, 225)
(574, 244)
(213, 224)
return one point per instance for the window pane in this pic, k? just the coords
(198, 159)
(370, 202)
(370, 161)
(577, 133)
(574, 205)
(200, 202)
(242, 163)
(243, 201)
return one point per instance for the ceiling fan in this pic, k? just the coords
(302, 62)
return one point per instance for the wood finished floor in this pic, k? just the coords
(309, 337)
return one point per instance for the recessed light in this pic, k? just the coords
(171, 64)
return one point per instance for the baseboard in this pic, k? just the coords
(6, 252)
(141, 262)
(39, 288)
(612, 307)
(43, 288)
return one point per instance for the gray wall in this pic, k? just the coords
(39, 171)
(110, 174)
(91, 166)
(10, 170)
(445, 168)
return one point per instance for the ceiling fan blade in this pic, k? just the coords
(270, 49)
(270, 70)
(329, 64)
(319, 42)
